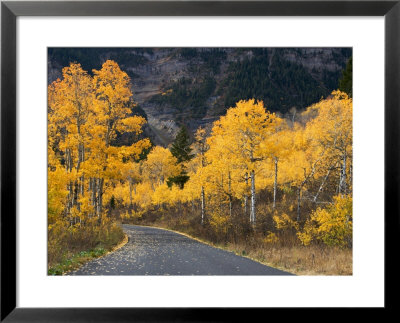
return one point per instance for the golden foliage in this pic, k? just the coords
(332, 225)
(284, 222)
(271, 238)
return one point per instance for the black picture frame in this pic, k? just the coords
(10, 10)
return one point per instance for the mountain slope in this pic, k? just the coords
(194, 86)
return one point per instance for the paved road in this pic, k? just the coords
(152, 251)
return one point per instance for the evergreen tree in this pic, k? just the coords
(181, 150)
(346, 82)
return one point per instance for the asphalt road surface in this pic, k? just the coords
(153, 251)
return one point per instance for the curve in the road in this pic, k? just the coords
(154, 251)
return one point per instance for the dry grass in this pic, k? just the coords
(65, 243)
(300, 260)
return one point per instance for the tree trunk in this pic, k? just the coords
(275, 181)
(230, 194)
(100, 196)
(343, 179)
(203, 206)
(68, 160)
(82, 185)
(322, 185)
(93, 188)
(70, 199)
(76, 194)
(246, 178)
(298, 202)
(130, 191)
(253, 198)
(222, 197)
(351, 177)
(78, 163)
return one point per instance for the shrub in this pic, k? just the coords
(332, 225)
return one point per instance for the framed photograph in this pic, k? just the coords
(266, 129)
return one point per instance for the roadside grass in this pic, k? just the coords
(67, 252)
(74, 261)
(299, 260)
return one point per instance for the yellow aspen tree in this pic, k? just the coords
(159, 166)
(277, 146)
(227, 173)
(113, 114)
(305, 161)
(69, 107)
(57, 188)
(321, 145)
(200, 148)
(244, 128)
(332, 128)
(333, 224)
(132, 173)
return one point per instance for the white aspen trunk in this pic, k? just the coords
(82, 156)
(101, 194)
(322, 185)
(275, 181)
(91, 189)
(97, 181)
(344, 179)
(134, 191)
(203, 206)
(253, 198)
(130, 191)
(222, 189)
(351, 176)
(66, 160)
(76, 194)
(71, 195)
(94, 199)
(70, 160)
(298, 202)
(100, 197)
(70, 186)
(82, 185)
(230, 194)
(246, 178)
(69, 201)
(78, 163)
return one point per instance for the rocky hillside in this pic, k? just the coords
(194, 86)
